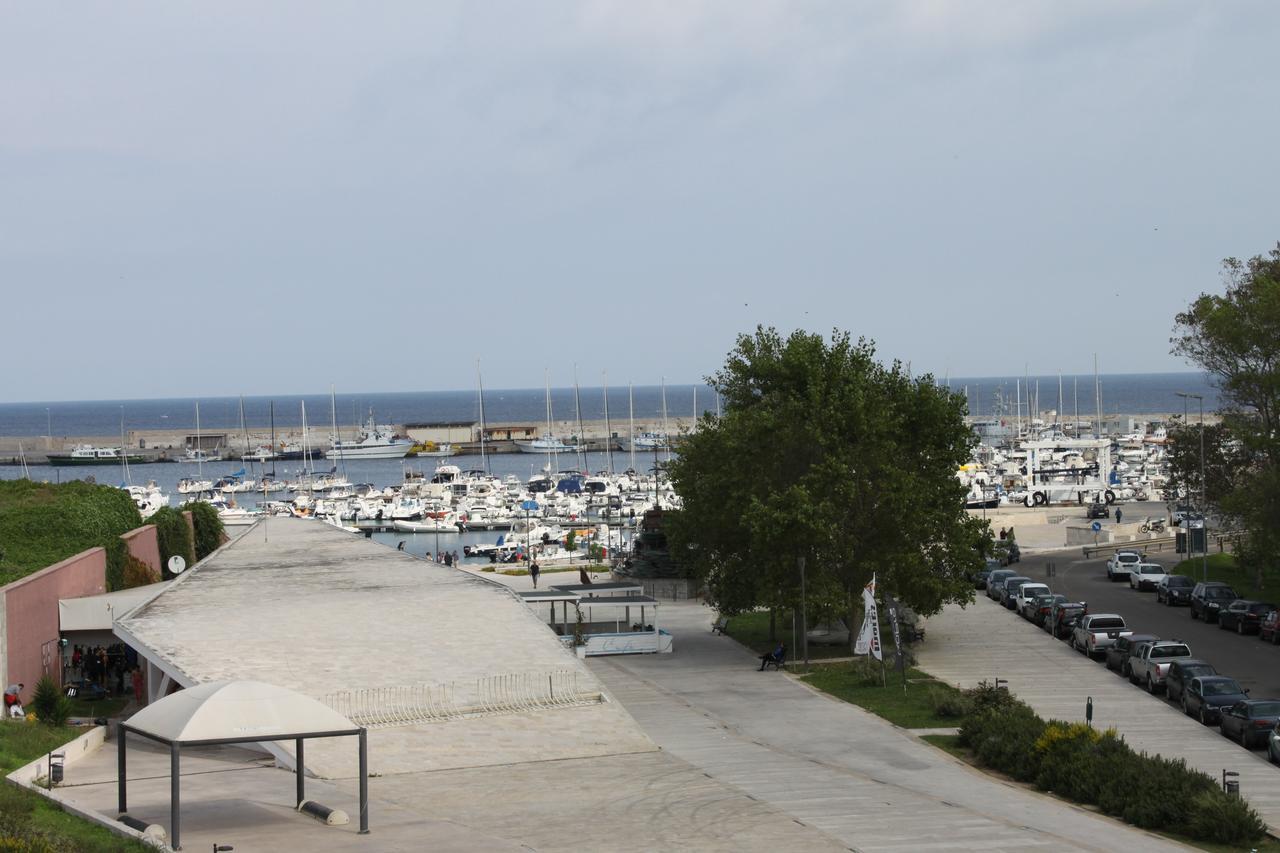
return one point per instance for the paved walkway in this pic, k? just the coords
(830, 765)
(984, 641)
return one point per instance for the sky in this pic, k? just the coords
(227, 198)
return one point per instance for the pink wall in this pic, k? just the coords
(31, 613)
(144, 545)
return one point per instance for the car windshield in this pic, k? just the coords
(1219, 592)
(1220, 688)
(1261, 608)
(1197, 669)
(1128, 558)
(1031, 590)
(1265, 709)
(1107, 623)
(1151, 570)
(1178, 580)
(1170, 652)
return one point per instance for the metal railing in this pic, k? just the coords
(408, 704)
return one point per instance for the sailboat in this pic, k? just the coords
(548, 443)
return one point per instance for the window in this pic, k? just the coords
(1170, 652)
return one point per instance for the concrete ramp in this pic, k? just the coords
(446, 669)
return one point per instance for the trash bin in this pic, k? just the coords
(1233, 787)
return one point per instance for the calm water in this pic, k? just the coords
(1138, 393)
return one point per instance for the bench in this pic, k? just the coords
(721, 624)
(777, 662)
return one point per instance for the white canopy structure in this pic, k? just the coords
(97, 612)
(226, 712)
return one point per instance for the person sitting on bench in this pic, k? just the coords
(775, 657)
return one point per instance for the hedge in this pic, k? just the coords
(208, 527)
(1098, 768)
(173, 536)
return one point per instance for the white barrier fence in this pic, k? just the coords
(408, 704)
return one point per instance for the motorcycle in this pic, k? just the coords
(1153, 525)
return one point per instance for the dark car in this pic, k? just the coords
(1180, 674)
(1208, 598)
(1033, 609)
(1044, 610)
(1206, 696)
(1250, 722)
(1097, 510)
(1269, 630)
(1119, 651)
(1244, 616)
(995, 582)
(1009, 590)
(1065, 617)
(1008, 552)
(1175, 590)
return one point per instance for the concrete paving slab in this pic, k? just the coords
(831, 765)
(968, 645)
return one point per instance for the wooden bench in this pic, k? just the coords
(721, 624)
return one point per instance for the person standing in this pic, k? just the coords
(137, 684)
(534, 571)
(1117, 515)
(13, 700)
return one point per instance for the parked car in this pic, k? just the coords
(1027, 593)
(1043, 607)
(1244, 616)
(1095, 632)
(1117, 655)
(1149, 664)
(995, 582)
(1181, 672)
(1269, 630)
(1008, 552)
(1097, 509)
(1273, 745)
(1206, 696)
(1009, 590)
(1121, 563)
(1064, 618)
(1250, 722)
(1208, 598)
(1146, 576)
(1174, 590)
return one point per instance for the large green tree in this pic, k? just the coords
(827, 454)
(1235, 337)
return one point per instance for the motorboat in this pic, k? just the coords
(87, 454)
(376, 441)
(547, 443)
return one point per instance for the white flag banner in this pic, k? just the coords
(868, 641)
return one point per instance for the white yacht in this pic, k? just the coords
(376, 441)
(546, 444)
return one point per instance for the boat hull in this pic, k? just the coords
(65, 459)
(394, 451)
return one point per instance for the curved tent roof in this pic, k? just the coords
(237, 711)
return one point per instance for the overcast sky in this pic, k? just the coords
(225, 198)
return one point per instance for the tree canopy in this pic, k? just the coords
(1235, 337)
(825, 453)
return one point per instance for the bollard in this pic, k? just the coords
(324, 814)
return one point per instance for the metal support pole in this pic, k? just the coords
(120, 768)
(364, 782)
(804, 617)
(301, 777)
(1204, 511)
(175, 795)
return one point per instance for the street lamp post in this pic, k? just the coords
(1204, 516)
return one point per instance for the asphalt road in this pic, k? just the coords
(1256, 665)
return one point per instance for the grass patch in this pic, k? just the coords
(1225, 568)
(950, 744)
(30, 822)
(81, 707)
(912, 708)
(752, 630)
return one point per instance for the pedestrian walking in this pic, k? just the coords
(1117, 515)
(534, 571)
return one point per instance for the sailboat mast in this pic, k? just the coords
(577, 410)
(272, 409)
(666, 435)
(484, 461)
(337, 436)
(631, 422)
(124, 452)
(244, 430)
(199, 446)
(1097, 394)
(608, 429)
(546, 380)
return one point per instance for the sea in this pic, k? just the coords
(1135, 393)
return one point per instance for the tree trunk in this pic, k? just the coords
(853, 621)
(773, 625)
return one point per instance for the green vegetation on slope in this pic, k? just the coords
(43, 523)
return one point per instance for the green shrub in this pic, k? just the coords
(174, 537)
(950, 703)
(208, 527)
(51, 706)
(1214, 816)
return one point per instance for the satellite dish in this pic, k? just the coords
(177, 564)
